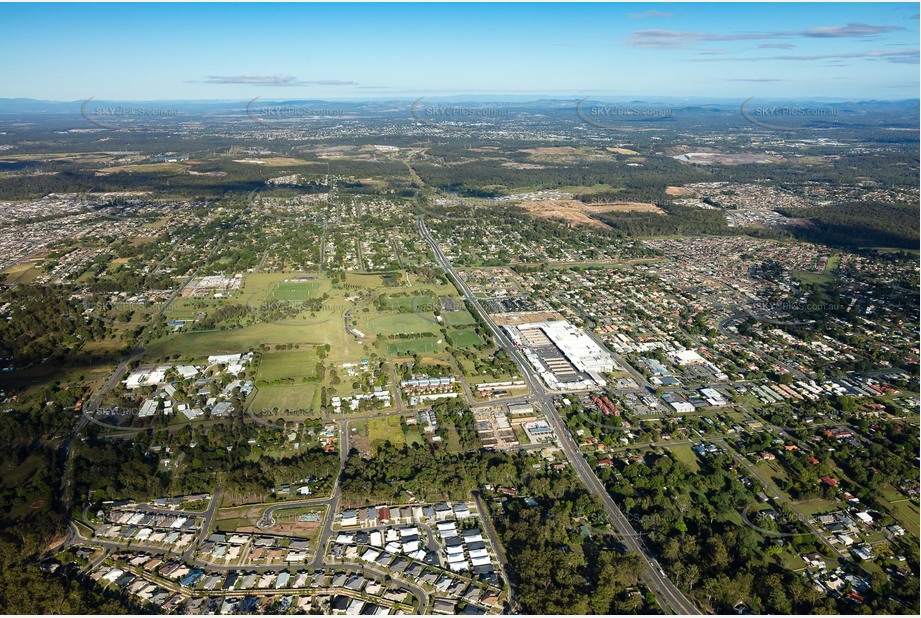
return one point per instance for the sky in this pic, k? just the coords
(227, 51)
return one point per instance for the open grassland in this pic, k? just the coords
(413, 436)
(147, 168)
(383, 429)
(259, 285)
(565, 153)
(816, 506)
(287, 397)
(371, 282)
(297, 291)
(13, 476)
(310, 329)
(189, 308)
(458, 318)
(425, 345)
(35, 378)
(417, 302)
(575, 211)
(810, 278)
(685, 455)
(465, 337)
(400, 324)
(419, 287)
(277, 162)
(324, 329)
(773, 471)
(287, 365)
(21, 273)
(903, 509)
(622, 151)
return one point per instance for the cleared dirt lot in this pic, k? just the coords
(276, 161)
(623, 151)
(525, 317)
(553, 150)
(578, 212)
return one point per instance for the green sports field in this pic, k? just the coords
(298, 291)
(465, 337)
(284, 397)
(406, 347)
(458, 318)
(419, 302)
(401, 324)
(287, 365)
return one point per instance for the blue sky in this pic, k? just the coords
(361, 51)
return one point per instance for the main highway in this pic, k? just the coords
(670, 597)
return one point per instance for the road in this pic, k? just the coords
(769, 486)
(188, 556)
(90, 406)
(497, 546)
(265, 255)
(670, 597)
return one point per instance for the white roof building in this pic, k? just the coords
(148, 408)
(688, 357)
(580, 349)
(187, 371)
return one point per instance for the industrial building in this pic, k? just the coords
(565, 356)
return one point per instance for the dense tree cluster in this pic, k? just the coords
(42, 322)
(859, 224)
(691, 522)
(221, 456)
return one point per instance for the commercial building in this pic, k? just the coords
(565, 356)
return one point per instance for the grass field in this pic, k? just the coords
(293, 512)
(366, 281)
(296, 397)
(813, 278)
(230, 525)
(293, 291)
(790, 561)
(419, 302)
(287, 365)
(772, 470)
(465, 337)
(426, 345)
(35, 378)
(401, 324)
(685, 455)
(903, 509)
(414, 436)
(325, 328)
(458, 318)
(261, 284)
(188, 308)
(816, 506)
(385, 428)
(22, 273)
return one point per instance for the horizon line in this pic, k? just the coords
(483, 98)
